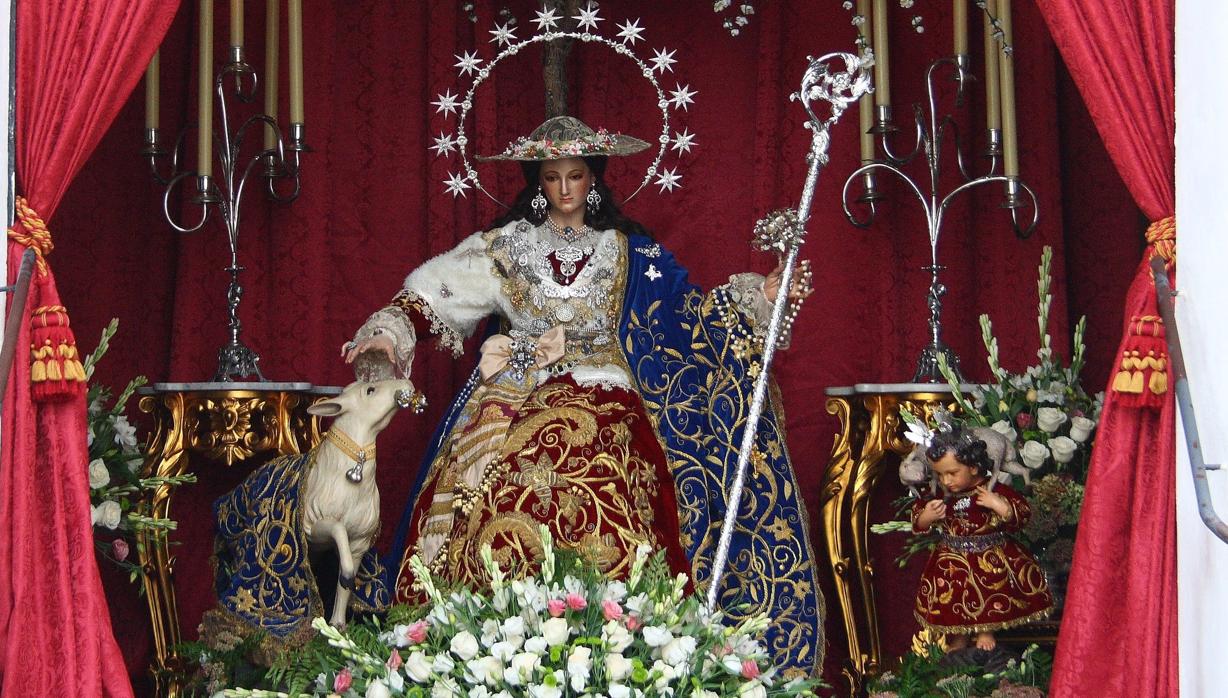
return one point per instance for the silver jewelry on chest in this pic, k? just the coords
(568, 256)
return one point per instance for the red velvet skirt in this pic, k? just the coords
(585, 461)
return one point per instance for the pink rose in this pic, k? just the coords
(119, 549)
(576, 602)
(341, 684)
(1024, 420)
(394, 661)
(633, 623)
(750, 669)
(416, 632)
(556, 607)
(611, 610)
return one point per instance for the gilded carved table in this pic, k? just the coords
(871, 430)
(215, 424)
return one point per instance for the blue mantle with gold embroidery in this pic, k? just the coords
(263, 576)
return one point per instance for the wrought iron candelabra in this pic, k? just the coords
(275, 163)
(931, 133)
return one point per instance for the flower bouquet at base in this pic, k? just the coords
(115, 458)
(928, 672)
(566, 631)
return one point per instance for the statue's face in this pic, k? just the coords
(955, 476)
(565, 183)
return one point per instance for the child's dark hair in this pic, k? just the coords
(966, 448)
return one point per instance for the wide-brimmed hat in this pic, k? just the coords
(567, 137)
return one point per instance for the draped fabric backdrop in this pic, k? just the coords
(373, 206)
(76, 65)
(1119, 632)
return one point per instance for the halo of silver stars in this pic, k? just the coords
(470, 66)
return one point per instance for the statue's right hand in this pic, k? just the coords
(380, 343)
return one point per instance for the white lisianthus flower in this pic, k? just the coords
(556, 631)
(125, 433)
(513, 627)
(579, 668)
(753, 689)
(443, 664)
(732, 664)
(377, 689)
(1033, 454)
(1004, 428)
(678, 650)
(486, 669)
(617, 690)
(99, 475)
(418, 667)
(1063, 448)
(522, 668)
(617, 637)
(617, 667)
(616, 591)
(1081, 428)
(464, 645)
(490, 632)
(665, 676)
(536, 644)
(704, 693)
(1050, 418)
(479, 692)
(542, 691)
(656, 636)
(107, 514)
(447, 687)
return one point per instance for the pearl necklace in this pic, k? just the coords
(568, 233)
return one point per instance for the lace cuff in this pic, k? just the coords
(746, 295)
(393, 322)
(410, 302)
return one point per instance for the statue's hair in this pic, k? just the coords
(960, 442)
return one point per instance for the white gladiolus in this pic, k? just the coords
(1004, 428)
(1063, 448)
(464, 645)
(418, 667)
(125, 433)
(1033, 454)
(107, 514)
(1081, 428)
(617, 667)
(99, 475)
(556, 631)
(1050, 419)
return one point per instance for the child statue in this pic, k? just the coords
(978, 580)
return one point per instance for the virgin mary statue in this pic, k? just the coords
(609, 406)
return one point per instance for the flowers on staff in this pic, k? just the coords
(566, 631)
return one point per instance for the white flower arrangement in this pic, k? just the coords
(564, 632)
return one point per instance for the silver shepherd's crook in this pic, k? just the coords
(839, 90)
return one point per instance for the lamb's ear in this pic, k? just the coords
(327, 408)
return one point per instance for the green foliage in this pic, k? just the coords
(926, 676)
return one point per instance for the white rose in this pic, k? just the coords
(754, 689)
(555, 631)
(656, 636)
(1004, 428)
(1081, 428)
(1050, 418)
(617, 667)
(1033, 454)
(678, 650)
(1063, 448)
(486, 669)
(418, 666)
(377, 689)
(106, 514)
(464, 645)
(99, 475)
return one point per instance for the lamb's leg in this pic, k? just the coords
(345, 581)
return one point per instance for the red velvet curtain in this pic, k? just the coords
(1119, 629)
(77, 62)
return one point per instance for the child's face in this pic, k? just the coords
(955, 476)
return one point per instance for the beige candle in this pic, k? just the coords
(1006, 72)
(152, 79)
(882, 77)
(272, 54)
(959, 14)
(993, 95)
(865, 107)
(295, 18)
(204, 97)
(236, 22)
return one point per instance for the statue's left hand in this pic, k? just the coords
(801, 282)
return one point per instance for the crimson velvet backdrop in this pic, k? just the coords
(76, 65)
(373, 206)
(1124, 642)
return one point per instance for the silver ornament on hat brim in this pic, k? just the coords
(662, 60)
(567, 137)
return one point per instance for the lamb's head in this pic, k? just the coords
(362, 410)
(915, 469)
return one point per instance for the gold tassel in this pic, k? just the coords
(38, 372)
(1136, 383)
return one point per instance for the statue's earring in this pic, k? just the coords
(539, 205)
(593, 200)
